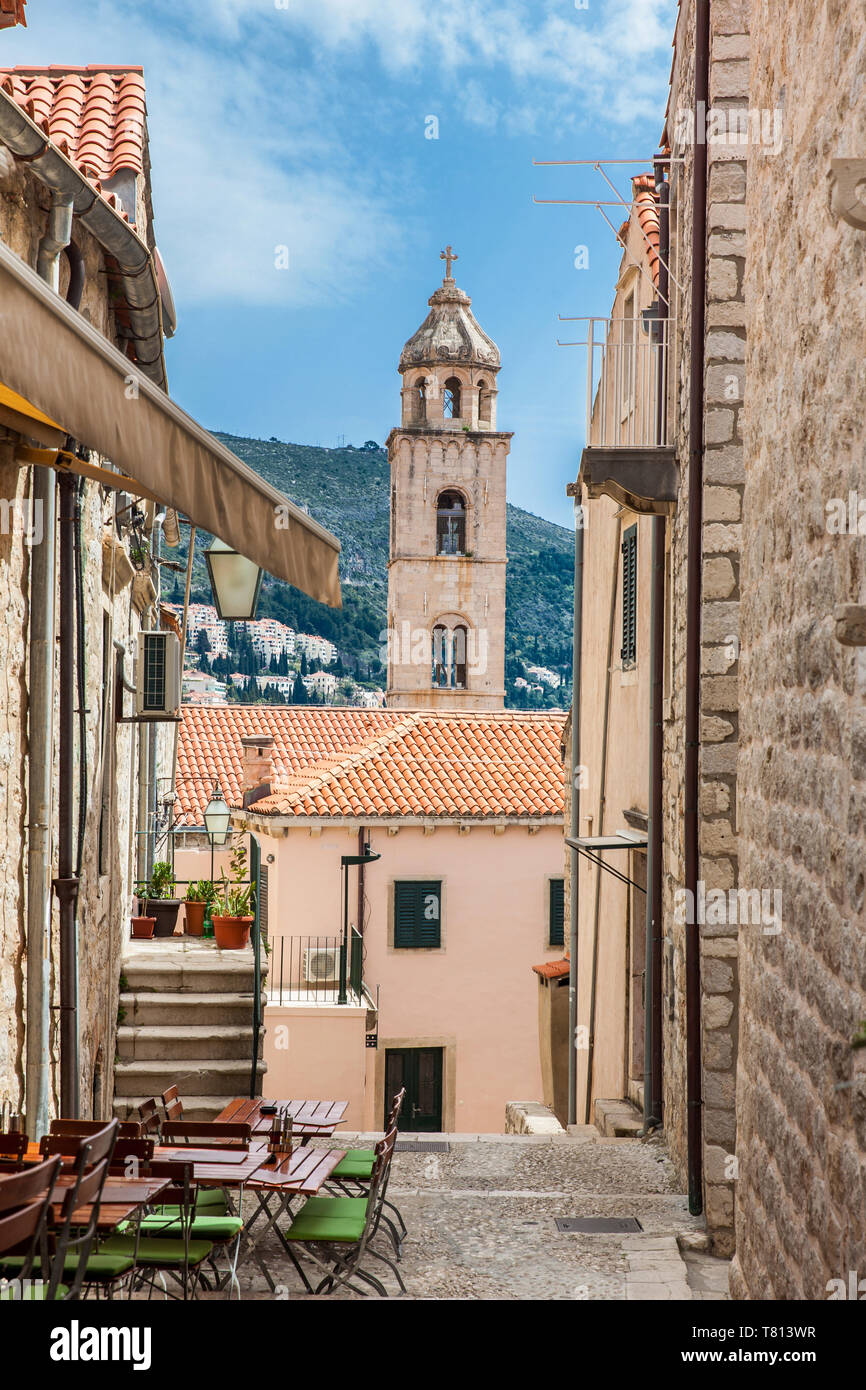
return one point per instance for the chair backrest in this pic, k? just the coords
(396, 1107)
(130, 1156)
(26, 1197)
(172, 1104)
(84, 1192)
(149, 1116)
(12, 1147)
(126, 1129)
(207, 1134)
(95, 1145)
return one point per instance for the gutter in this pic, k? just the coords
(574, 824)
(693, 614)
(135, 267)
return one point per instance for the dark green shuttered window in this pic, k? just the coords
(557, 912)
(418, 914)
(628, 654)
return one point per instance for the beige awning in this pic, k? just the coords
(56, 362)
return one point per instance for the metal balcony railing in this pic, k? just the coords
(625, 407)
(309, 969)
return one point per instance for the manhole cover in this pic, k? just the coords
(598, 1225)
(420, 1146)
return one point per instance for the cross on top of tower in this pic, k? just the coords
(448, 255)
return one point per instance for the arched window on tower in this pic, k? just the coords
(450, 524)
(451, 407)
(458, 659)
(419, 401)
(485, 401)
(440, 656)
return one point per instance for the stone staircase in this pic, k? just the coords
(187, 1021)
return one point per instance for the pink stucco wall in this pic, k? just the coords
(476, 997)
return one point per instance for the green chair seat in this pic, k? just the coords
(358, 1164)
(153, 1251)
(100, 1266)
(211, 1200)
(338, 1219)
(216, 1229)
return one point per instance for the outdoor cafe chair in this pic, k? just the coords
(84, 1129)
(336, 1232)
(172, 1104)
(352, 1175)
(169, 1246)
(13, 1147)
(206, 1134)
(148, 1114)
(24, 1203)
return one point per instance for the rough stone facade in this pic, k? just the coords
(112, 613)
(719, 680)
(802, 768)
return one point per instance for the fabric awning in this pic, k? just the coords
(18, 414)
(57, 363)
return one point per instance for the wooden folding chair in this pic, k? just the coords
(351, 1177)
(172, 1104)
(25, 1200)
(84, 1129)
(13, 1147)
(148, 1114)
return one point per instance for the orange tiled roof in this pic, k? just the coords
(646, 206)
(12, 12)
(552, 969)
(345, 762)
(94, 115)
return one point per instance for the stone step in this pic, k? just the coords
(194, 1107)
(189, 976)
(156, 1009)
(149, 1043)
(201, 1076)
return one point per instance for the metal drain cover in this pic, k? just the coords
(598, 1225)
(421, 1146)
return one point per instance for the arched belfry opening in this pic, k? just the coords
(452, 399)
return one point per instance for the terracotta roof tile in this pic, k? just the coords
(95, 115)
(646, 206)
(552, 969)
(12, 12)
(348, 762)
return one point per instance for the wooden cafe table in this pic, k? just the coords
(311, 1119)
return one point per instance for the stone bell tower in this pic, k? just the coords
(446, 576)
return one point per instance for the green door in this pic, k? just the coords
(419, 1069)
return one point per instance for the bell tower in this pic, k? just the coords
(446, 575)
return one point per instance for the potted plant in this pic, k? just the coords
(142, 927)
(199, 896)
(232, 918)
(160, 902)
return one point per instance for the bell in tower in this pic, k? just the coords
(446, 575)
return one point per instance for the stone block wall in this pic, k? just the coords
(801, 1147)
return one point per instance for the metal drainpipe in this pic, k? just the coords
(693, 611)
(43, 559)
(652, 1100)
(574, 825)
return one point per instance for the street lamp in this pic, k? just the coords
(235, 581)
(217, 818)
(345, 861)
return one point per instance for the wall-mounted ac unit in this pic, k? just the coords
(157, 675)
(321, 964)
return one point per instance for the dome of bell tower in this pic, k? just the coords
(450, 334)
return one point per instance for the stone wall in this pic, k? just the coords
(722, 500)
(802, 770)
(105, 893)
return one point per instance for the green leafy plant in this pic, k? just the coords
(201, 892)
(162, 881)
(235, 895)
(859, 1038)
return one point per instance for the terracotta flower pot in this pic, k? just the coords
(195, 919)
(232, 933)
(142, 928)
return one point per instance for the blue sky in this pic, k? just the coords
(302, 124)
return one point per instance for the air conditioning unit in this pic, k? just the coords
(321, 964)
(157, 675)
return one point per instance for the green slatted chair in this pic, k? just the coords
(171, 1248)
(336, 1232)
(25, 1199)
(351, 1177)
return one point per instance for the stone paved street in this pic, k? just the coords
(481, 1223)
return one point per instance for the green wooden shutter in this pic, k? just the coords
(417, 914)
(628, 653)
(557, 912)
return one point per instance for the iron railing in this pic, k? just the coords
(624, 405)
(309, 969)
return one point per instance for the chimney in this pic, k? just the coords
(257, 767)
